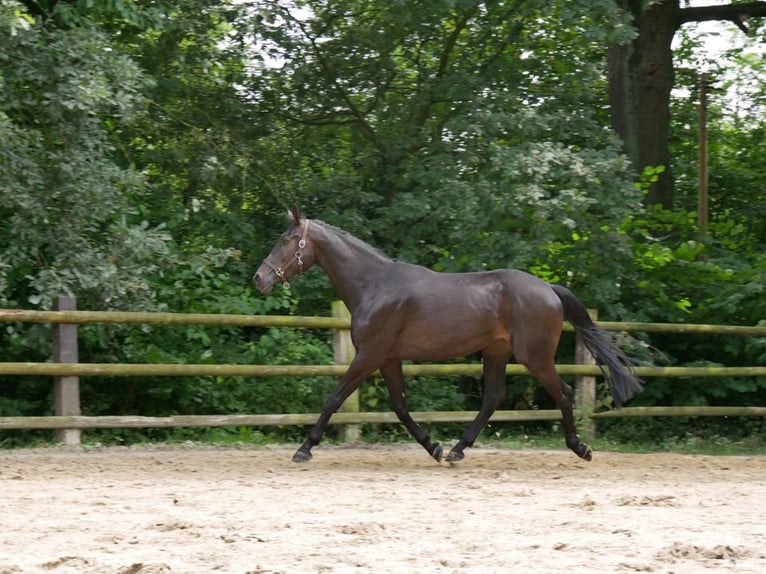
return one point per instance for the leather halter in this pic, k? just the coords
(280, 271)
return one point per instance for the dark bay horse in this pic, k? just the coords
(402, 312)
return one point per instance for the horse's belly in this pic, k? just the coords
(452, 322)
(434, 344)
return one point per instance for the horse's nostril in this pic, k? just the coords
(257, 277)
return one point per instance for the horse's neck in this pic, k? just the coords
(351, 267)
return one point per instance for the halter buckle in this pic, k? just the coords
(280, 272)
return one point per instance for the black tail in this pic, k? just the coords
(613, 362)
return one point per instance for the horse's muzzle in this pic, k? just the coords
(264, 279)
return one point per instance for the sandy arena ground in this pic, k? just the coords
(376, 510)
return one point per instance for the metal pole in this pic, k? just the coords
(702, 186)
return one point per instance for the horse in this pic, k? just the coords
(401, 311)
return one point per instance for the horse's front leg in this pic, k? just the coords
(360, 368)
(392, 373)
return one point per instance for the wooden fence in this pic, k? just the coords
(66, 371)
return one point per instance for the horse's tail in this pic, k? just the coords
(613, 362)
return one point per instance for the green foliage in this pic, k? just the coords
(529, 201)
(678, 275)
(685, 434)
(112, 191)
(207, 285)
(65, 224)
(472, 139)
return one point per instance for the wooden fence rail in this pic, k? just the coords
(209, 370)
(304, 322)
(66, 370)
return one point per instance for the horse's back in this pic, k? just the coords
(501, 293)
(431, 315)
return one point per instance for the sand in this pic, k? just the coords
(377, 509)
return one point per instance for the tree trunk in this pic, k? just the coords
(640, 79)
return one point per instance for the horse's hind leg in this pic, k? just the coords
(392, 373)
(493, 396)
(563, 395)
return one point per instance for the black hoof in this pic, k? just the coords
(584, 452)
(437, 452)
(455, 456)
(302, 456)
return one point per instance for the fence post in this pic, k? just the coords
(585, 387)
(344, 352)
(66, 390)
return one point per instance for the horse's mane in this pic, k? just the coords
(348, 238)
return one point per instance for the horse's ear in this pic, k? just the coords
(295, 215)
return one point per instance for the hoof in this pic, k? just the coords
(455, 456)
(585, 452)
(302, 456)
(437, 452)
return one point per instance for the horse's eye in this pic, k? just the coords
(285, 240)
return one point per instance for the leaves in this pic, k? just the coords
(65, 226)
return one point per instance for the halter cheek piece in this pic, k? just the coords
(280, 271)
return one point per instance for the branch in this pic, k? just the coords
(460, 23)
(342, 93)
(739, 14)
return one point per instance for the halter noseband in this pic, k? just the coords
(280, 271)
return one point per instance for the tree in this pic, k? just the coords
(735, 126)
(123, 122)
(65, 224)
(467, 135)
(641, 76)
(122, 181)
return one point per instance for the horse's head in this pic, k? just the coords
(291, 255)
